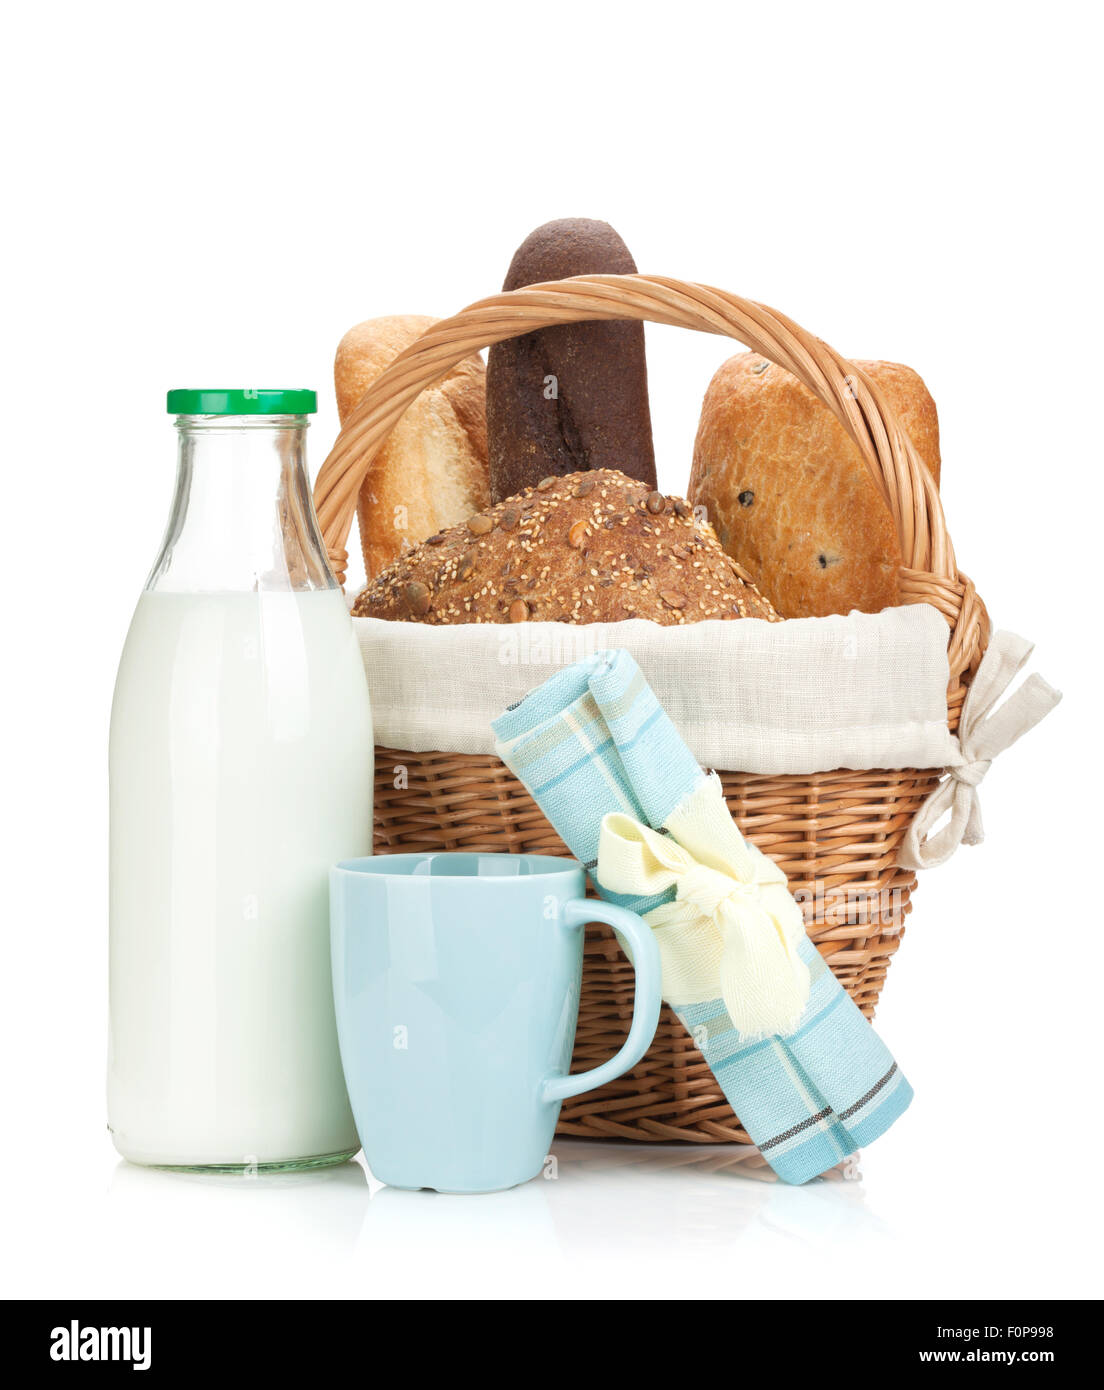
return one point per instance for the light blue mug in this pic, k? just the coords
(456, 983)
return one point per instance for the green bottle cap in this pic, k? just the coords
(248, 402)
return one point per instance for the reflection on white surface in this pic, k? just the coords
(132, 1176)
(318, 1211)
(602, 1204)
(600, 1197)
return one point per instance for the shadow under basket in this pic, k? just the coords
(834, 834)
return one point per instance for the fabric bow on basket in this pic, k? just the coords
(982, 734)
(807, 1075)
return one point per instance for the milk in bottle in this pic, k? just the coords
(241, 769)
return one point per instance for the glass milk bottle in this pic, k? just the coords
(241, 769)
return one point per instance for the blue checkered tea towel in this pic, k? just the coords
(593, 742)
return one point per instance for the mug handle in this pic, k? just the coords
(646, 999)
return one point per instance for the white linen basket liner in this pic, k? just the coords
(807, 695)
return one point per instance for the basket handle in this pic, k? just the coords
(929, 573)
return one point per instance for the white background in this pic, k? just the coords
(212, 196)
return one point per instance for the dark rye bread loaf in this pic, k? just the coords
(574, 397)
(593, 547)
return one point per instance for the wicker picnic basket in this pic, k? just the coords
(835, 834)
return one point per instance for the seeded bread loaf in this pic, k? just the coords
(591, 547)
(574, 396)
(432, 470)
(788, 492)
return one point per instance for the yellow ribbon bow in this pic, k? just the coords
(733, 928)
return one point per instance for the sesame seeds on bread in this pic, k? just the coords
(589, 547)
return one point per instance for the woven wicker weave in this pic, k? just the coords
(835, 834)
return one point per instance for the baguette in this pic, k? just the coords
(432, 469)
